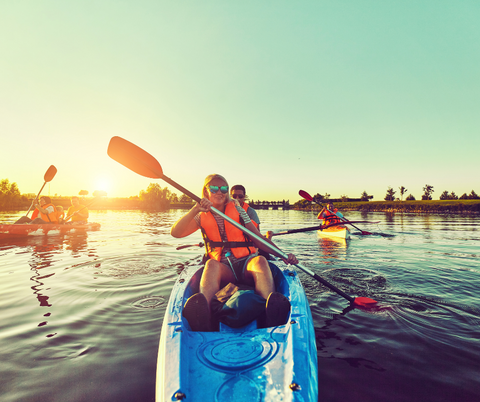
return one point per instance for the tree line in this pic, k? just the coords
(158, 198)
(427, 194)
(154, 197)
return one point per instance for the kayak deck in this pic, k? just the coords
(44, 229)
(245, 364)
(335, 231)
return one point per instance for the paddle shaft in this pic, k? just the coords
(319, 227)
(48, 176)
(36, 198)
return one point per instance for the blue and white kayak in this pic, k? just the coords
(244, 364)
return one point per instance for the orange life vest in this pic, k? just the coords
(329, 217)
(50, 218)
(236, 240)
(245, 207)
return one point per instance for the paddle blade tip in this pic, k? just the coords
(133, 157)
(305, 195)
(364, 302)
(50, 173)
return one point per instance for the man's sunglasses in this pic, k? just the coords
(214, 189)
(241, 196)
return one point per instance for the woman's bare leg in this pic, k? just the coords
(214, 274)
(258, 270)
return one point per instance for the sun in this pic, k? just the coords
(103, 184)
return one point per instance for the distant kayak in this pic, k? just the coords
(42, 230)
(335, 231)
(245, 364)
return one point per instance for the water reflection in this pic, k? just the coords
(332, 248)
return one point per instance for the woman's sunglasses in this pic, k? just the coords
(241, 196)
(214, 189)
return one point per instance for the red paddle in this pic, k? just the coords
(141, 162)
(308, 197)
(49, 175)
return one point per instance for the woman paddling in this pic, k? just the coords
(231, 256)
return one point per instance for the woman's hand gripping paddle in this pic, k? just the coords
(49, 175)
(308, 197)
(141, 162)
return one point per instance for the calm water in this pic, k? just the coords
(81, 314)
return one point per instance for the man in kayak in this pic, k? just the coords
(45, 212)
(330, 214)
(232, 256)
(237, 192)
(77, 213)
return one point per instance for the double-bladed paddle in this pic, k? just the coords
(308, 197)
(141, 162)
(318, 227)
(49, 175)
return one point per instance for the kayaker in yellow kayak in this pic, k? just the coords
(330, 214)
(231, 256)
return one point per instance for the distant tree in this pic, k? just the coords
(427, 192)
(302, 204)
(451, 196)
(344, 198)
(410, 198)
(444, 195)
(9, 194)
(318, 198)
(186, 198)
(83, 192)
(390, 194)
(464, 196)
(174, 197)
(155, 197)
(403, 190)
(473, 196)
(326, 196)
(364, 196)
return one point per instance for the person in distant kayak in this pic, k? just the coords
(237, 192)
(45, 212)
(330, 214)
(77, 213)
(231, 256)
(61, 214)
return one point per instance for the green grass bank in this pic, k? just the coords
(433, 206)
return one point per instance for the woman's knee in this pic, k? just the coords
(259, 264)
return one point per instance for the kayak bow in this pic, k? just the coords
(242, 364)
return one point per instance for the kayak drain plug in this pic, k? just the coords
(179, 396)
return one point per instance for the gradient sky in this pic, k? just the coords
(329, 96)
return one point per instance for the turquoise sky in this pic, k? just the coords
(330, 97)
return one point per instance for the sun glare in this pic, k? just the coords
(103, 184)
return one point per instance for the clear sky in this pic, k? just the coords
(329, 96)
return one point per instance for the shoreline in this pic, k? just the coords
(462, 207)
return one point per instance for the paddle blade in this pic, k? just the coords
(305, 195)
(50, 174)
(364, 302)
(134, 158)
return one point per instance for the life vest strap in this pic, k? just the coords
(230, 244)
